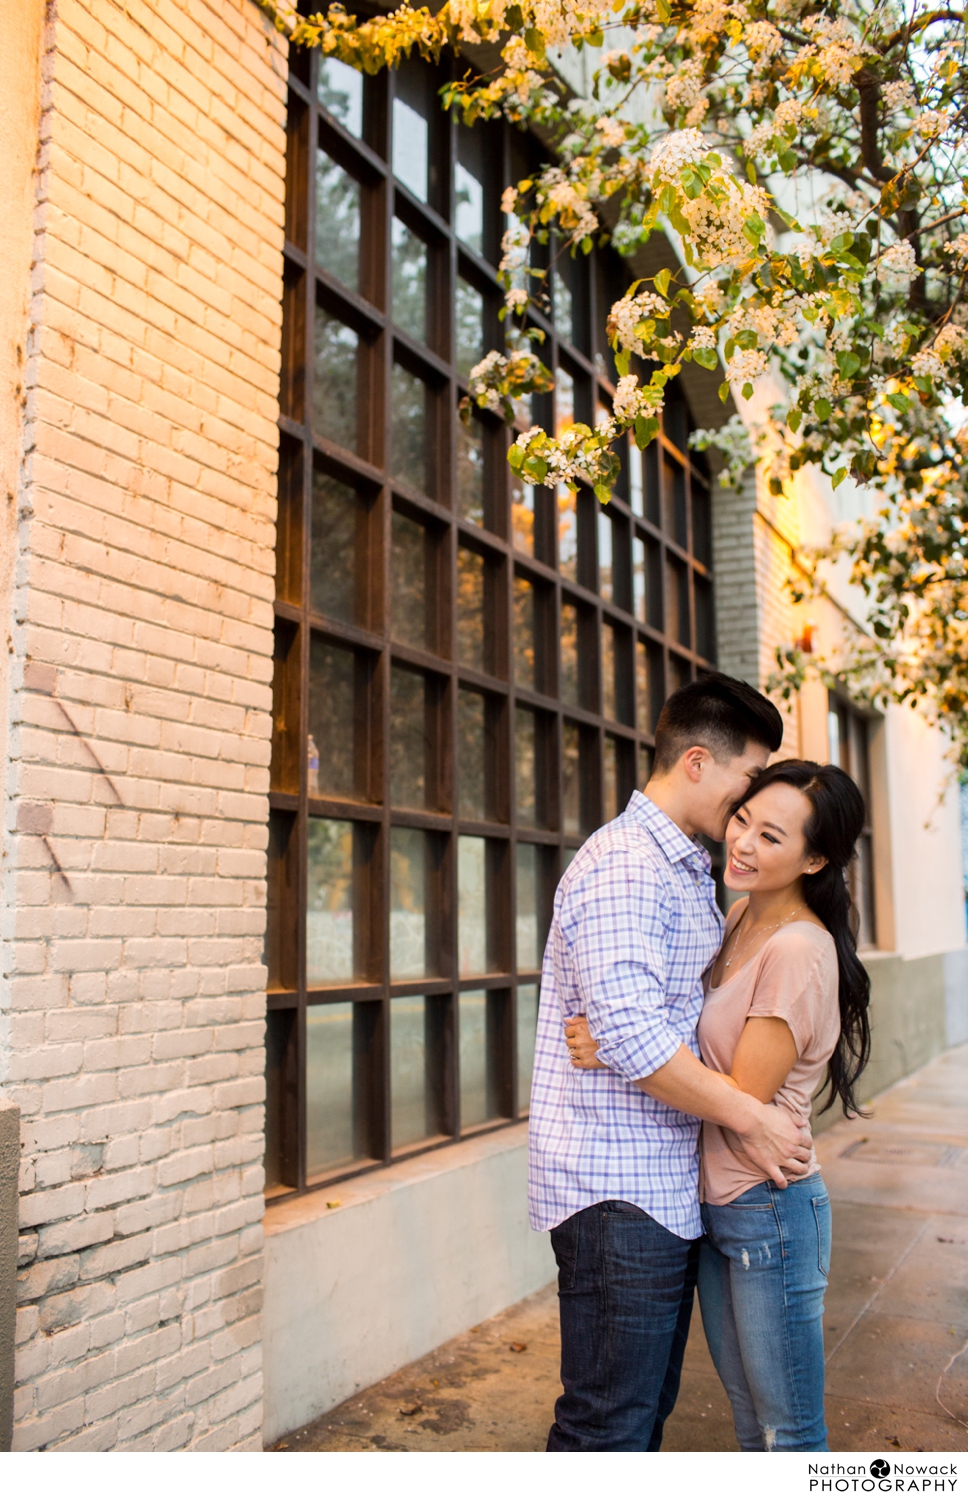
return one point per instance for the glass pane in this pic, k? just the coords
(408, 903)
(569, 653)
(475, 1105)
(409, 280)
(410, 147)
(331, 720)
(645, 765)
(608, 672)
(334, 380)
(471, 904)
(567, 532)
(527, 1030)
(470, 472)
(638, 577)
(468, 326)
(338, 513)
(329, 1088)
(408, 1071)
(643, 702)
(605, 555)
(702, 535)
(470, 755)
(611, 779)
(635, 479)
(470, 609)
(564, 400)
(408, 436)
(526, 920)
(329, 914)
(524, 633)
(408, 581)
(562, 303)
(339, 89)
(571, 785)
(408, 738)
(676, 602)
(469, 189)
(525, 766)
(337, 221)
(522, 515)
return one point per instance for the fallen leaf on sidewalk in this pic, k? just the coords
(412, 1409)
(517, 1348)
(944, 1239)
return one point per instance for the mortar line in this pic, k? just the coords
(874, 1295)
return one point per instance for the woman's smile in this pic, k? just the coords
(740, 867)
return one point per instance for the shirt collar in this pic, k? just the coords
(675, 844)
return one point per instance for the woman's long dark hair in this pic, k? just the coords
(832, 830)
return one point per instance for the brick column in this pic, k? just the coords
(139, 706)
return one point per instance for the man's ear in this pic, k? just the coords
(694, 761)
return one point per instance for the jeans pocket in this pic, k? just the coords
(564, 1242)
(821, 1212)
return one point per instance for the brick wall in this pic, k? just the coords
(132, 1005)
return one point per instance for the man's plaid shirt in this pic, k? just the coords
(635, 925)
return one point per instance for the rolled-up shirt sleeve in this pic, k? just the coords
(618, 940)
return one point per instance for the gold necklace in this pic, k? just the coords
(788, 918)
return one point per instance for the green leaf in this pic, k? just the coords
(794, 418)
(786, 161)
(534, 41)
(747, 390)
(822, 408)
(899, 401)
(848, 363)
(839, 478)
(751, 171)
(662, 281)
(705, 357)
(514, 18)
(603, 493)
(724, 391)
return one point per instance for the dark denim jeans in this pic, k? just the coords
(625, 1291)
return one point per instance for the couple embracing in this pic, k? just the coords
(674, 1072)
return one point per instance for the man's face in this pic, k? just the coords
(722, 784)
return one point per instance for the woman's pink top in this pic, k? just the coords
(793, 976)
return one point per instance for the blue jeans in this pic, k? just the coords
(625, 1293)
(762, 1276)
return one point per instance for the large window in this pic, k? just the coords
(848, 733)
(467, 671)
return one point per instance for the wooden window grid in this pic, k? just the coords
(467, 676)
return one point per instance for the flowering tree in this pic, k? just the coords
(809, 161)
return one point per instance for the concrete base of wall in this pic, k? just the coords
(412, 1256)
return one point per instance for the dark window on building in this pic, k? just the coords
(467, 670)
(848, 732)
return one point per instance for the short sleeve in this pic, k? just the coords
(797, 982)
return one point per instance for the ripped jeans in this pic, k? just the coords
(762, 1276)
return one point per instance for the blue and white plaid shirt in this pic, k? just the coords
(635, 925)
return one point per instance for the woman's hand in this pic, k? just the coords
(581, 1044)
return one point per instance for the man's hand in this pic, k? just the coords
(581, 1044)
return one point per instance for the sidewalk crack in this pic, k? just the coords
(874, 1295)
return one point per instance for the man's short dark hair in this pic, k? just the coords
(718, 712)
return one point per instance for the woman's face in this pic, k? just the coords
(765, 847)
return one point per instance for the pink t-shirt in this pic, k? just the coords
(794, 976)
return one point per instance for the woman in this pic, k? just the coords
(786, 1003)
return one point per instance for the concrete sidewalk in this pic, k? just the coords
(896, 1322)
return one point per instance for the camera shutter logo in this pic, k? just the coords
(880, 1468)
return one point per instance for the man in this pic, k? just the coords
(614, 1154)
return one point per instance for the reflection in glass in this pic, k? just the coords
(605, 555)
(409, 280)
(329, 914)
(564, 400)
(638, 577)
(329, 1088)
(468, 326)
(408, 581)
(522, 515)
(470, 755)
(337, 515)
(527, 1031)
(408, 903)
(337, 221)
(408, 738)
(470, 472)
(561, 299)
(526, 916)
(611, 779)
(524, 633)
(471, 905)
(475, 1103)
(636, 495)
(331, 717)
(571, 784)
(525, 766)
(408, 1071)
(470, 609)
(334, 379)
(410, 147)
(642, 699)
(608, 672)
(339, 89)
(408, 434)
(469, 189)
(567, 532)
(569, 653)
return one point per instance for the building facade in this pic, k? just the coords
(308, 706)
